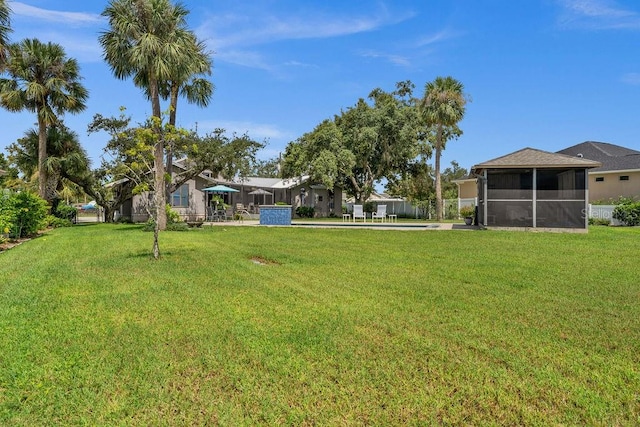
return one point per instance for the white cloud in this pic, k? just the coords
(67, 18)
(299, 64)
(235, 36)
(413, 49)
(75, 31)
(257, 131)
(242, 30)
(597, 15)
(393, 58)
(438, 37)
(631, 79)
(246, 58)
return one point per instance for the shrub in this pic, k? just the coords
(32, 213)
(177, 226)
(173, 221)
(172, 216)
(124, 220)
(305, 211)
(22, 214)
(149, 225)
(65, 211)
(7, 215)
(628, 213)
(467, 211)
(599, 221)
(369, 207)
(56, 222)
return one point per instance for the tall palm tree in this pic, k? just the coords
(189, 80)
(42, 80)
(442, 108)
(5, 29)
(144, 41)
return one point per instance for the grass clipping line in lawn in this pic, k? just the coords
(320, 326)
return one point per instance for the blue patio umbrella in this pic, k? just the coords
(221, 189)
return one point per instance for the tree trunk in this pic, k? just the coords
(438, 153)
(160, 200)
(158, 158)
(172, 122)
(42, 157)
(51, 187)
(108, 213)
(156, 245)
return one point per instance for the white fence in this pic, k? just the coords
(406, 209)
(603, 212)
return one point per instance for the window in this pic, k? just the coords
(624, 177)
(600, 179)
(180, 197)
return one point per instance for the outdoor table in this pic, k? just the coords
(393, 218)
(218, 215)
(346, 217)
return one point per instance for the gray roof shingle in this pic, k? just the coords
(531, 157)
(613, 157)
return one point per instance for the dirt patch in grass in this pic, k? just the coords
(263, 261)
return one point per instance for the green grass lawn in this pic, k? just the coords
(295, 326)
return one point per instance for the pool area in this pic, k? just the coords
(367, 225)
(399, 226)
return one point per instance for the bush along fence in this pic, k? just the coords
(628, 213)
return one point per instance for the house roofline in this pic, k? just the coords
(610, 172)
(463, 180)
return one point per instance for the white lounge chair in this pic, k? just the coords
(358, 212)
(380, 214)
(241, 211)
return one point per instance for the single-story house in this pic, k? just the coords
(619, 175)
(191, 200)
(533, 189)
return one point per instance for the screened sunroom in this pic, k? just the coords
(533, 189)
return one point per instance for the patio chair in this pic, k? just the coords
(241, 211)
(358, 212)
(380, 214)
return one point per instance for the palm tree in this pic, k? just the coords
(145, 40)
(5, 29)
(42, 80)
(188, 79)
(66, 161)
(442, 108)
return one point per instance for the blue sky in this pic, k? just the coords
(546, 74)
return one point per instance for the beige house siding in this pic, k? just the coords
(195, 208)
(607, 186)
(467, 189)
